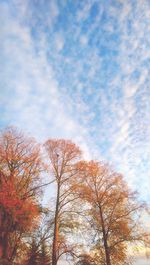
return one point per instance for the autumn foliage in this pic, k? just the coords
(63, 156)
(112, 209)
(21, 211)
(91, 200)
(20, 167)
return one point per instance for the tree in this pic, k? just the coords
(20, 168)
(63, 156)
(112, 209)
(33, 254)
(38, 242)
(85, 259)
(44, 258)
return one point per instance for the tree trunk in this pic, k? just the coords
(107, 254)
(5, 247)
(55, 237)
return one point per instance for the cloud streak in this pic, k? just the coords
(81, 71)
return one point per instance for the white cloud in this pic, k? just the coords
(83, 14)
(79, 95)
(54, 11)
(59, 42)
(83, 40)
(35, 103)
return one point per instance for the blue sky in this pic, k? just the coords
(80, 70)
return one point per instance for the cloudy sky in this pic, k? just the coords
(80, 70)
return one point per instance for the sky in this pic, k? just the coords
(80, 70)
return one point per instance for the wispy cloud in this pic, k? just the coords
(30, 95)
(81, 71)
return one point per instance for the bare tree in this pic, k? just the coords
(63, 156)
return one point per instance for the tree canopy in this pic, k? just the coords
(93, 216)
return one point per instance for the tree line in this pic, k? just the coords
(93, 217)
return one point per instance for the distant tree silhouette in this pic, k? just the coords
(33, 254)
(44, 257)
